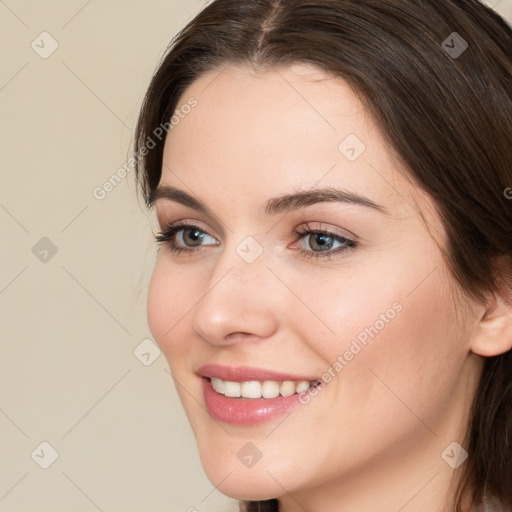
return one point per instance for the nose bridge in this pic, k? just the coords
(238, 297)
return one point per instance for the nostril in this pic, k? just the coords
(240, 336)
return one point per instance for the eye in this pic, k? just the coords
(323, 242)
(189, 238)
(183, 237)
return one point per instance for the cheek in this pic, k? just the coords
(403, 355)
(352, 313)
(165, 309)
(389, 331)
(158, 295)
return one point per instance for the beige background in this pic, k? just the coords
(72, 320)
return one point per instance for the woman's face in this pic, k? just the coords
(380, 317)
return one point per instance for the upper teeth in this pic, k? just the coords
(257, 389)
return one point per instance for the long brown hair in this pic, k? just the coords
(443, 103)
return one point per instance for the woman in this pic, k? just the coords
(334, 288)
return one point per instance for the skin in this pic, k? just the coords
(372, 439)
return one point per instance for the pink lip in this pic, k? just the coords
(246, 411)
(246, 373)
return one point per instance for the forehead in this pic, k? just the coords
(297, 102)
(259, 133)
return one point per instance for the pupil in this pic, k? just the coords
(196, 236)
(325, 241)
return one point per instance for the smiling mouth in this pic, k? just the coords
(260, 389)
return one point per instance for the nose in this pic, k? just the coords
(241, 301)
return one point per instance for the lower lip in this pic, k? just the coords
(245, 411)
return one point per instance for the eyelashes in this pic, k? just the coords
(319, 237)
(168, 237)
(327, 238)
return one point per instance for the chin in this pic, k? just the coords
(248, 488)
(232, 478)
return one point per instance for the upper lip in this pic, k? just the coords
(247, 373)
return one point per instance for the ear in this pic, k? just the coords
(494, 332)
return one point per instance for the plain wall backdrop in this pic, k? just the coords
(89, 417)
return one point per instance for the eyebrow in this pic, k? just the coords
(281, 204)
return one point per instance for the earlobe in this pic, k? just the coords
(494, 332)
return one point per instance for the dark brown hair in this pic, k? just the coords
(446, 115)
